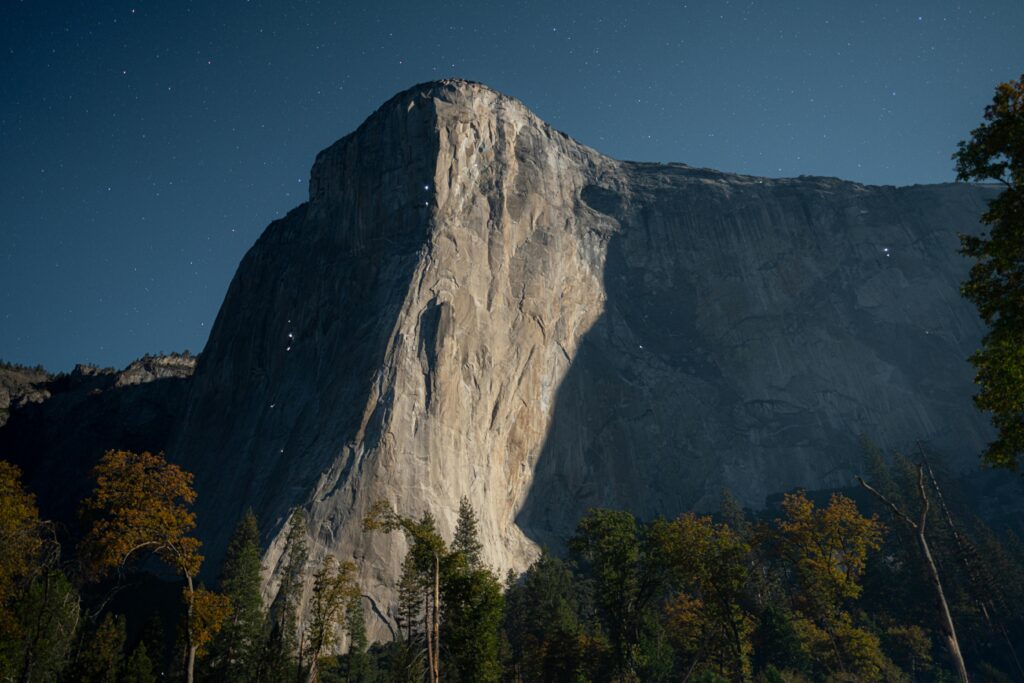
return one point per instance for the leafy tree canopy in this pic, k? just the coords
(995, 152)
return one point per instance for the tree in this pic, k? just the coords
(542, 623)
(334, 589)
(919, 526)
(827, 551)
(473, 604)
(710, 568)
(407, 665)
(19, 538)
(102, 655)
(283, 645)
(608, 546)
(208, 613)
(139, 505)
(357, 663)
(426, 552)
(466, 541)
(138, 668)
(49, 614)
(39, 609)
(995, 152)
(234, 653)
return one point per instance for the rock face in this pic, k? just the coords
(19, 386)
(60, 425)
(473, 304)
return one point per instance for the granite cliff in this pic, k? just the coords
(473, 304)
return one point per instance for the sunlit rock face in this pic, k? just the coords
(473, 304)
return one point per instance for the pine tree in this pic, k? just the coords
(473, 603)
(49, 614)
(467, 542)
(235, 651)
(410, 601)
(426, 554)
(138, 668)
(156, 646)
(358, 663)
(102, 654)
(280, 662)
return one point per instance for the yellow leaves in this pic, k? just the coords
(19, 535)
(334, 587)
(684, 621)
(828, 547)
(140, 504)
(209, 613)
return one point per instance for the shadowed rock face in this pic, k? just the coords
(60, 425)
(473, 304)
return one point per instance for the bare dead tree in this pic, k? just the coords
(948, 630)
(978, 575)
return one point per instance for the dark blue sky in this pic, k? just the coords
(145, 145)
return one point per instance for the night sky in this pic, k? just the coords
(145, 145)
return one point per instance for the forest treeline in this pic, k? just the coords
(815, 590)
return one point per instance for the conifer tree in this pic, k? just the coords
(156, 647)
(235, 651)
(281, 655)
(473, 603)
(358, 663)
(410, 601)
(48, 613)
(427, 551)
(138, 668)
(102, 655)
(467, 542)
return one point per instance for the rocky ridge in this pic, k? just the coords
(59, 425)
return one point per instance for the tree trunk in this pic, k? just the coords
(428, 633)
(436, 674)
(948, 630)
(190, 662)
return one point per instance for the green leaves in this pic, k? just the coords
(995, 152)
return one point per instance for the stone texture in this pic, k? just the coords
(473, 304)
(20, 385)
(149, 368)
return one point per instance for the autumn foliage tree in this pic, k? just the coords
(39, 608)
(827, 550)
(707, 616)
(334, 589)
(140, 507)
(19, 538)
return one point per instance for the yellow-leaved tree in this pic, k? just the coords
(827, 551)
(140, 508)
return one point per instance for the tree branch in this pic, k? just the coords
(888, 503)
